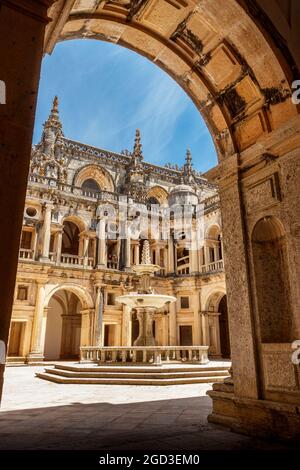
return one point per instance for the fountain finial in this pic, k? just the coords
(146, 259)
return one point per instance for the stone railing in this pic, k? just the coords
(74, 190)
(71, 259)
(25, 253)
(211, 267)
(144, 354)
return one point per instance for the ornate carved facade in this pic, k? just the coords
(68, 272)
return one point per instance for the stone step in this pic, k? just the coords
(142, 369)
(149, 374)
(127, 381)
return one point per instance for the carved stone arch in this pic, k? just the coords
(96, 172)
(158, 193)
(81, 292)
(214, 298)
(242, 92)
(81, 224)
(212, 231)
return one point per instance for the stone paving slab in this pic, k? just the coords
(36, 414)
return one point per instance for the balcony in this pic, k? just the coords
(213, 267)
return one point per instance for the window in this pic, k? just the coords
(184, 302)
(22, 293)
(111, 299)
(90, 185)
(26, 238)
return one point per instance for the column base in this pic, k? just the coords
(261, 418)
(34, 358)
(44, 259)
(101, 266)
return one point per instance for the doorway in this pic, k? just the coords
(186, 335)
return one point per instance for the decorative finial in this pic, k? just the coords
(146, 259)
(188, 157)
(137, 149)
(55, 104)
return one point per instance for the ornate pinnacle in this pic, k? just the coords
(53, 119)
(137, 149)
(188, 173)
(146, 259)
(188, 157)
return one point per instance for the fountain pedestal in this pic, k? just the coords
(145, 301)
(145, 318)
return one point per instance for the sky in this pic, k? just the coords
(106, 92)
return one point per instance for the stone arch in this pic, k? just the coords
(81, 292)
(98, 174)
(213, 231)
(241, 91)
(213, 299)
(158, 193)
(81, 224)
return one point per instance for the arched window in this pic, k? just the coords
(90, 185)
(152, 200)
(70, 238)
(271, 280)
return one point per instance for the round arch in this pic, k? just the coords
(96, 173)
(78, 221)
(158, 193)
(241, 91)
(81, 292)
(213, 231)
(214, 298)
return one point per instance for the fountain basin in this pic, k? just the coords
(135, 300)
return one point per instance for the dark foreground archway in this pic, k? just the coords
(241, 81)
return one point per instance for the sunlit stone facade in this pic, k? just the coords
(71, 268)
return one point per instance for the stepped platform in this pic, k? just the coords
(165, 374)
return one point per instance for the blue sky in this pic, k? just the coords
(106, 92)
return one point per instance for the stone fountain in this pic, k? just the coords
(145, 301)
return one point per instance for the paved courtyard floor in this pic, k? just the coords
(37, 414)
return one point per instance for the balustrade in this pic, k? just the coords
(211, 267)
(144, 354)
(72, 259)
(25, 253)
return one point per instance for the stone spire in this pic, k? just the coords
(52, 129)
(48, 156)
(146, 259)
(135, 175)
(137, 149)
(187, 170)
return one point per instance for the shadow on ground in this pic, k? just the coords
(175, 424)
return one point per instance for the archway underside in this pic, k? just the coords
(218, 55)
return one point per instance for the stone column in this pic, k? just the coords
(197, 323)
(171, 266)
(22, 30)
(173, 324)
(99, 305)
(205, 329)
(36, 354)
(137, 253)
(126, 337)
(35, 243)
(102, 245)
(85, 250)
(59, 235)
(46, 233)
(206, 255)
(127, 253)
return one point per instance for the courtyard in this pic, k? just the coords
(41, 415)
